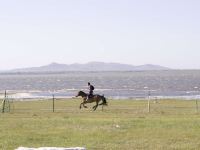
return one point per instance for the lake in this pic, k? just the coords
(134, 84)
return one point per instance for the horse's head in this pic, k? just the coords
(81, 93)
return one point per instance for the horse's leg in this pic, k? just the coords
(95, 107)
(101, 103)
(80, 106)
(84, 102)
(84, 105)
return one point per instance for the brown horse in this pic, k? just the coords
(95, 98)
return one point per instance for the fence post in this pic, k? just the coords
(53, 103)
(149, 107)
(3, 106)
(4, 102)
(197, 106)
(196, 89)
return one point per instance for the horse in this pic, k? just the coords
(96, 98)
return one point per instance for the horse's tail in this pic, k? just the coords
(104, 101)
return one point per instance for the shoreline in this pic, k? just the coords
(28, 97)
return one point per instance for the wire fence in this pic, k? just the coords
(55, 104)
(145, 106)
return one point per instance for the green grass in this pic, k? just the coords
(124, 124)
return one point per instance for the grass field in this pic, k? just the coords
(124, 124)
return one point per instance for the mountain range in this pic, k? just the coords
(91, 66)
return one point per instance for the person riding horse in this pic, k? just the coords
(91, 89)
(96, 98)
(90, 98)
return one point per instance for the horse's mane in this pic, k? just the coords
(82, 92)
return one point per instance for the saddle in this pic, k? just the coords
(90, 96)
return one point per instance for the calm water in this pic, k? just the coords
(111, 84)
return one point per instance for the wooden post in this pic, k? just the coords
(197, 106)
(3, 106)
(4, 102)
(149, 107)
(53, 103)
(196, 89)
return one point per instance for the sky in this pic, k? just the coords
(161, 32)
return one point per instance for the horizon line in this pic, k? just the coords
(54, 62)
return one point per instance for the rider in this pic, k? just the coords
(91, 88)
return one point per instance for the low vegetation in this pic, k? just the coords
(123, 124)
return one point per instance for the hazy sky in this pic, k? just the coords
(38, 32)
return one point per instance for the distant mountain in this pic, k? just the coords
(91, 66)
(151, 67)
